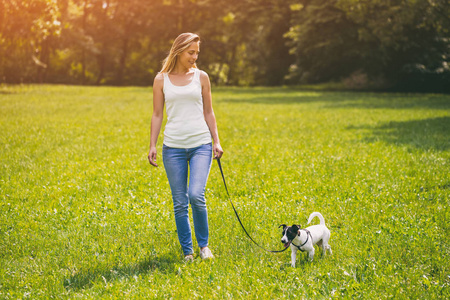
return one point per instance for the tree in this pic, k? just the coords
(403, 36)
(244, 42)
(382, 39)
(27, 32)
(324, 42)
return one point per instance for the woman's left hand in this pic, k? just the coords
(218, 152)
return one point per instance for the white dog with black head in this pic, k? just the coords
(305, 239)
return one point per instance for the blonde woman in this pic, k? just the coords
(187, 148)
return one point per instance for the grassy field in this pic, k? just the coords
(83, 214)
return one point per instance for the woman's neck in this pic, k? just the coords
(180, 70)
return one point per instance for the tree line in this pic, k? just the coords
(398, 44)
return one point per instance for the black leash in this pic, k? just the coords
(237, 215)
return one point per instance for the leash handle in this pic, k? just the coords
(223, 177)
(237, 215)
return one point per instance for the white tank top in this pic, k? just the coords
(186, 126)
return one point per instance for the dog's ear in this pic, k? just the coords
(282, 225)
(295, 227)
(298, 230)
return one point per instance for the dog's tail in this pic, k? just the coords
(316, 214)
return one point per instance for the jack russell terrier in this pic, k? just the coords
(305, 239)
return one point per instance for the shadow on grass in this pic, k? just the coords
(6, 92)
(420, 134)
(339, 99)
(392, 101)
(85, 279)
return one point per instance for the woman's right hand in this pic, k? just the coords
(157, 116)
(152, 156)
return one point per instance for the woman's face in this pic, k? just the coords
(189, 56)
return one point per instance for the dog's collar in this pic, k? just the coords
(308, 234)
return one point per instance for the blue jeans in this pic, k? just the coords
(195, 163)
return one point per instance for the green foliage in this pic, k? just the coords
(365, 44)
(324, 42)
(389, 42)
(83, 215)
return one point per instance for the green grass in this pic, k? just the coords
(83, 214)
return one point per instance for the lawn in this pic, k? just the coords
(84, 215)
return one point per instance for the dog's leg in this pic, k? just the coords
(325, 245)
(322, 245)
(293, 257)
(311, 255)
(325, 248)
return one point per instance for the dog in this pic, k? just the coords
(305, 239)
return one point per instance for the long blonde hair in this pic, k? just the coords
(181, 43)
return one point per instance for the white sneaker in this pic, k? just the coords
(205, 253)
(189, 258)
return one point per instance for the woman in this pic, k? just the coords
(187, 149)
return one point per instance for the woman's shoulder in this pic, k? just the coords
(203, 75)
(159, 76)
(204, 79)
(159, 79)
